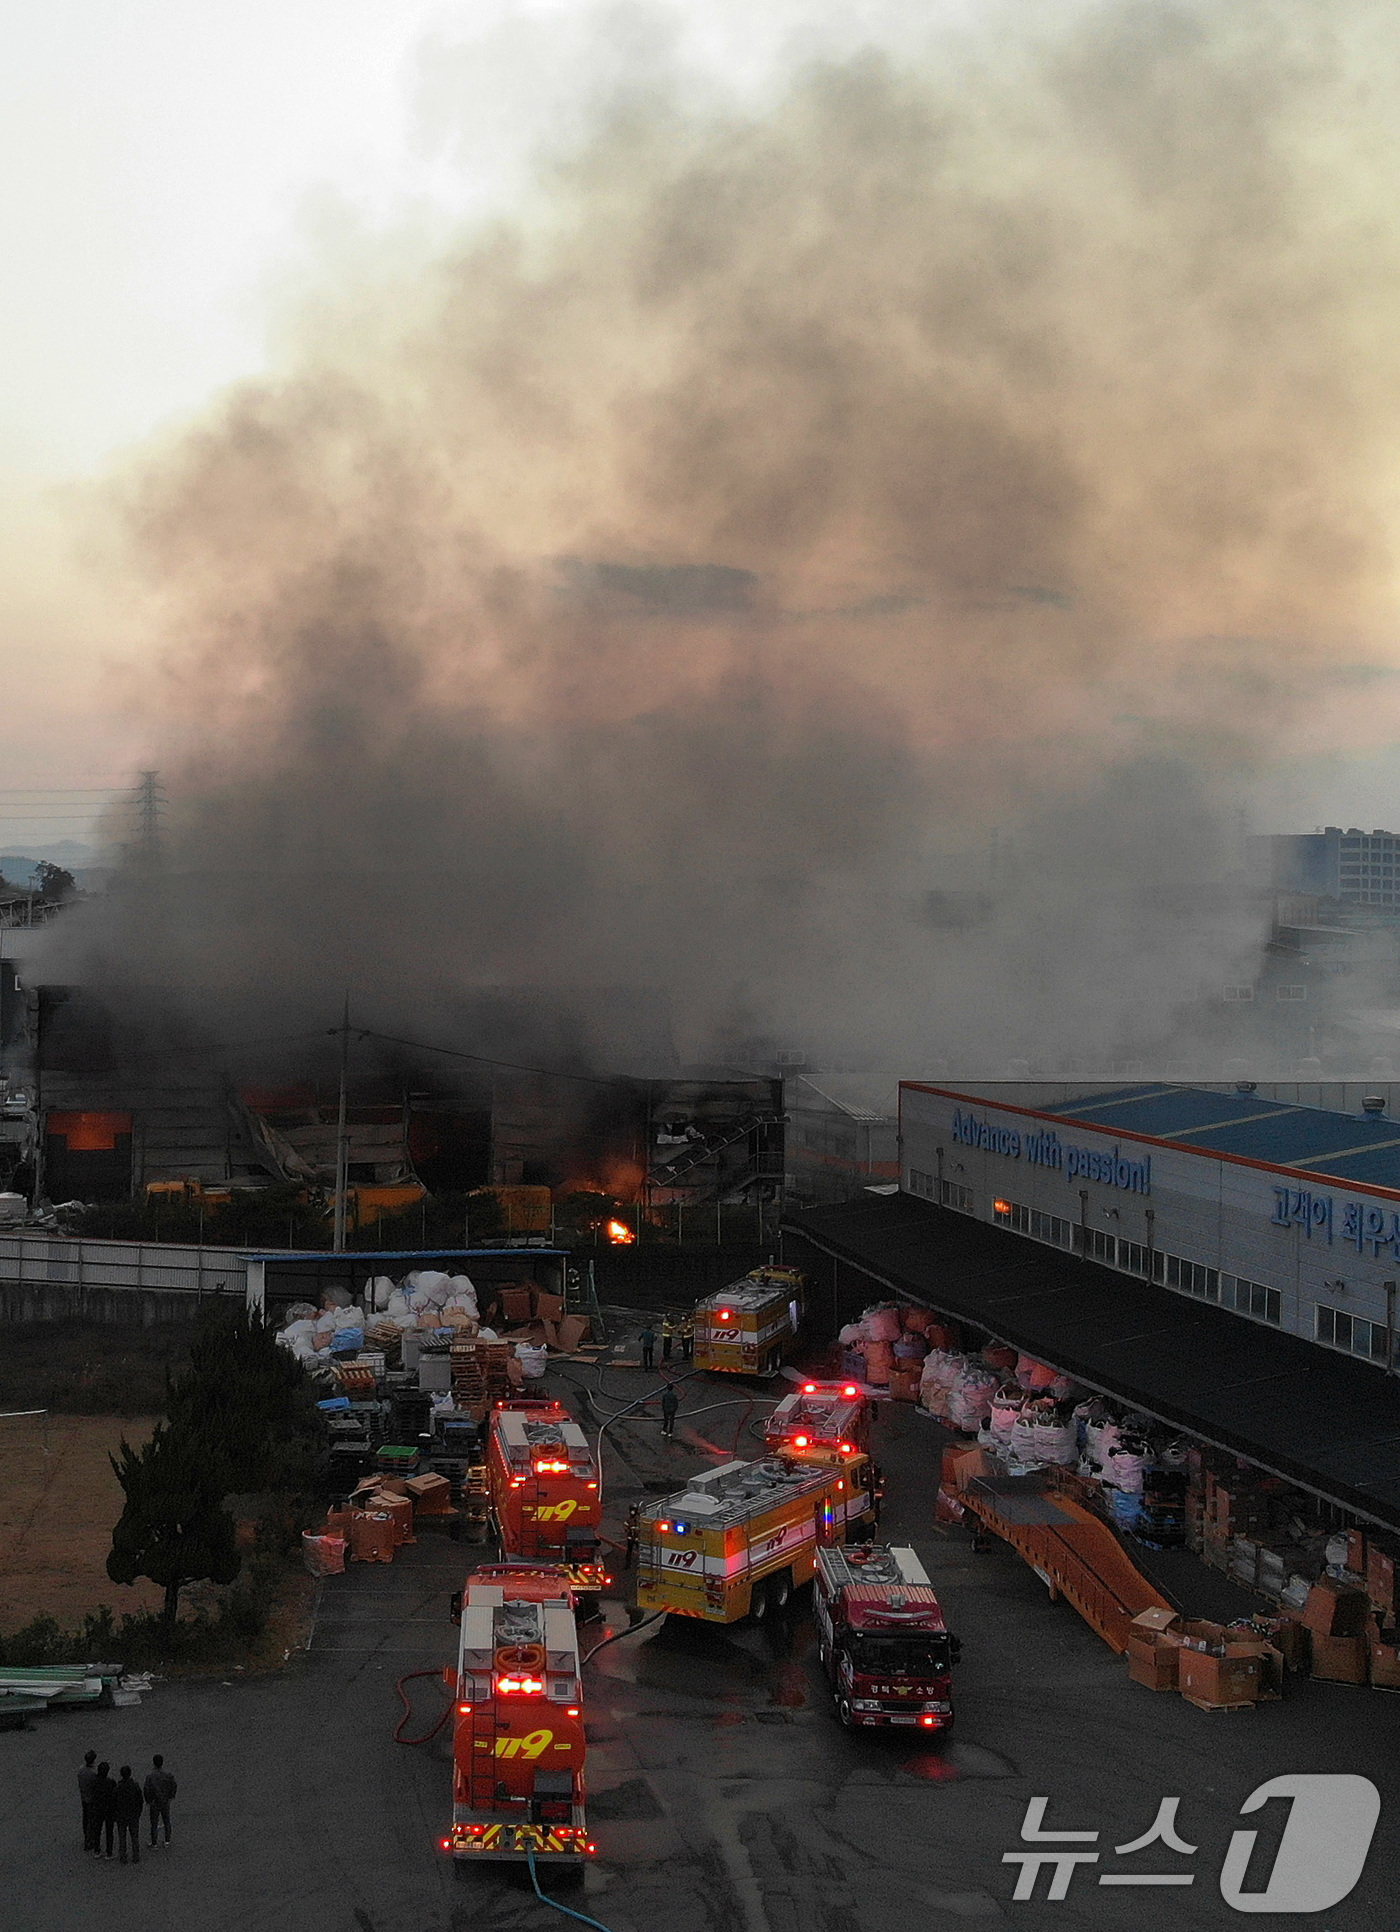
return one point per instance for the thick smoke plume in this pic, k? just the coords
(840, 564)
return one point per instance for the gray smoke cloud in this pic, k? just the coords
(686, 582)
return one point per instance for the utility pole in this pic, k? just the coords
(342, 1144)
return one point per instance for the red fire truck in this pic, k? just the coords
(544, 1490)
(518, 1743)
(825, 1422)
(882, 1639)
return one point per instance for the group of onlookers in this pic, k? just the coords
(112, 1807)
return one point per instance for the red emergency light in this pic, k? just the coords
(850, 1389)
(663, 1526)
(809, 1388)
(726, 1314)
(848, 1448)
(464, 1710)
(927, 1722)
(520, 1686)
(551, 1469)
(800, 1442)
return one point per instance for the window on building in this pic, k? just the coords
(1101, 1247)
(920, 1183)
(1352, 1333)
(1239, 992)
(1192, 1277)
(952, 1195)
(1028, 1220)
(1253, 1298)
(1132, 1255)
(1292, 993)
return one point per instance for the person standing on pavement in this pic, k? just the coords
(159, 1789)
(634, 1527)
(687, 1338)
(670, 1402)
(103, 1823)
(647, 1338)
(668, 1337)
(87, 1780)
(127, 1806)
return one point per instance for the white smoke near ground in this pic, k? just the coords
(838, 564)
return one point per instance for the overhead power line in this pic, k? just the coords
(485, 1060)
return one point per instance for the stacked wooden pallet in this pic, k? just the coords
(480, 1375)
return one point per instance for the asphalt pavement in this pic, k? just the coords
(723, 1795)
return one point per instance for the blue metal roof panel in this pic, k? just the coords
(1343, 1146)
(1165, 1115)
(1381, 1169)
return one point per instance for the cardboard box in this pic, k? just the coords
(432, 1495)
(904, 1387)
(573, 1330)
(1380, 1580)
(1384, 1646)
(1340, 1660)
(1290, 1637)
(517, 1304)
(1152, 1662)
(1356, 1552)
(548, 1308)
(1231, 1679)
(1336, 1609)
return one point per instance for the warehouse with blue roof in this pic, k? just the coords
(1223, 1258)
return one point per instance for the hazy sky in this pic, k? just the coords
(170, 179)
(169, 174)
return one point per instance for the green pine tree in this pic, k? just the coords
(250, 1403)
(174, 1528)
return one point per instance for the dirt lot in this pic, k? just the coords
(58, 1502)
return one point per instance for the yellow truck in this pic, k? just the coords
(745, 1328)
(737, 1541)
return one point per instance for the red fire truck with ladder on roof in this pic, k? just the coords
(518, 1743)
(825, 1422)
(544, 1491)
(882, 1639)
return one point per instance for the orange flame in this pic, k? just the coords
(620, 1234)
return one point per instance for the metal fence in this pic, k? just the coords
(44, 1277)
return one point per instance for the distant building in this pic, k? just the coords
(1352, 867)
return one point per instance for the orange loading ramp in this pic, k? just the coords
(1076, 1555)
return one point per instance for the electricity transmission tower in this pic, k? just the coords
(150, 804)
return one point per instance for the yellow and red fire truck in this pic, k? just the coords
(746, 1328)
(737, 1541)
(824, 1422)
(544, 1489)
(518, 1741)
(882, 1639)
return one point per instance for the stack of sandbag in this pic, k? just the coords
(970, 1397)
(942, 1367)
(1007, 1405)
(533, 1359)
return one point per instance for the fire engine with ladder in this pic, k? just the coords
(543, 1482)
(518, 1741)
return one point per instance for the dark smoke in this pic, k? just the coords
(673, 587)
